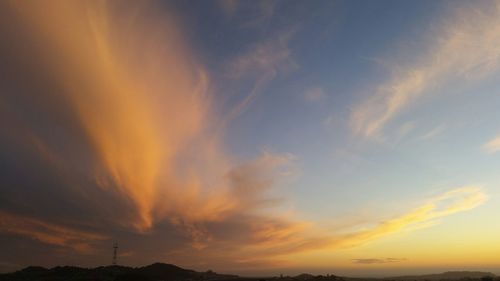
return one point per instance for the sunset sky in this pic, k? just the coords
(255, 137)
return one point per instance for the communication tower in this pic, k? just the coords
(115, 250)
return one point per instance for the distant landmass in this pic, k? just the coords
(450, 275)
(169, 272)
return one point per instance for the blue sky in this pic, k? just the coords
(340, 53)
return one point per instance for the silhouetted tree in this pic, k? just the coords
(487, 278)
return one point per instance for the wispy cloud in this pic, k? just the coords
(434, 132)
(315, 94)
(49, 233)
(378, 261)
(229, 7)
(275, 239)
(464, 47)
(457, 200)
(405, 129)
(265, 10)
(271, 57)
(492, 146)
(261, 63)
(255, 14)
(454, 201)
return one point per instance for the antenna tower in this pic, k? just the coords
(115, 250)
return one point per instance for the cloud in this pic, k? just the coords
(253, 15)
(464, 47)
(457, 200)
(433, 132)
(229, 7)
(492, 146)
(114, 120)
(271, 57)
(138, 116)
(111, 118)
(405, 129)
(276, 239)
(453, 201)
(315, 94)
(80, 241)
(261, 63)
(378, 261)
(249, 15)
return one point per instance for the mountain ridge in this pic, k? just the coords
(445, 275)
(152, 272)
(170, 272)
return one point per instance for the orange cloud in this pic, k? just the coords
(144, 105)
(140, 98)
(49, 233)
(271, 241)
(299, 239)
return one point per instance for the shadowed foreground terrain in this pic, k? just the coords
(153, 272)
(168, 272)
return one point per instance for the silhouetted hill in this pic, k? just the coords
(160, 271)
(153, 272)
(304, 276)
(34, 270)
(169, 272)
(455, 275)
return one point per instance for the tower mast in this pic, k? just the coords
(115, 250)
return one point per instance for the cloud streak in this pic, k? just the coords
(378, 261)
(262, 63)
(276, 240)
(465, 47)
(315, 94)
(492, 146)
(49, 233)
(451, 202)
(436, 131)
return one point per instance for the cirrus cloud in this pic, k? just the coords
(464, 47)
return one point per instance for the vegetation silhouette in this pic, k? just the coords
(169, 272)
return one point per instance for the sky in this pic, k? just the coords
(251, 137)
